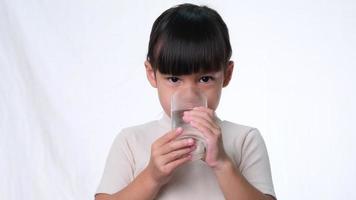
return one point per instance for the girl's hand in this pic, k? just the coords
(204, 120)
(167, 154)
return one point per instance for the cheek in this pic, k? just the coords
(165, 100)
(213, 99)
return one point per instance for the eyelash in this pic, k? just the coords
(170, 79)
(210, 78)
(176, 79)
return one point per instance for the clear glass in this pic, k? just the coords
(185, 100)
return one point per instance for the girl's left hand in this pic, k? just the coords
(204, 119)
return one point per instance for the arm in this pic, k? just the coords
(142, 187)
(166, 155)
(232, 183)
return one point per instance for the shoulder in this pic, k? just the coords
(241, 137)
(232, 129)
(235, 127)
(141, 133)
(140, 128)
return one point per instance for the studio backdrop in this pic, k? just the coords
(72, 76)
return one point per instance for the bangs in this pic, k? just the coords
(183, 56)
(190, 43)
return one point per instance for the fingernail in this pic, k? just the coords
(179, 130)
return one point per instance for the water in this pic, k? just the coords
(189, 132)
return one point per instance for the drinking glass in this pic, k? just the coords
(185, 100)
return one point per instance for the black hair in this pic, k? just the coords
(187, 39)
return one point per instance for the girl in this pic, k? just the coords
(189, 48)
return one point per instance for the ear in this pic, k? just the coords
(228, 73)
(150, 73)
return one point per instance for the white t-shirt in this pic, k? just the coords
(130, 154)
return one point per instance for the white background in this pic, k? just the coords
(72, 75)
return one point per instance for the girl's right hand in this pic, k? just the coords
(167, 154)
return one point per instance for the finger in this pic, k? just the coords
(205, 113)
(203, 122)
(171, 135)
(209, 111)
(200, 116)
(203, 129)
(176, 163)
(176, 144)
(174, 155)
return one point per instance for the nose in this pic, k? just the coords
(190, 91)
(190, 86)
(189, 97)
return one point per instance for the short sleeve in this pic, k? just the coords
(119, 167)
(255, 165)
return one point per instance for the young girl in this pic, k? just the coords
(189, 48)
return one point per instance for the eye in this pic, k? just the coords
(205, 79)
(173, 79)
